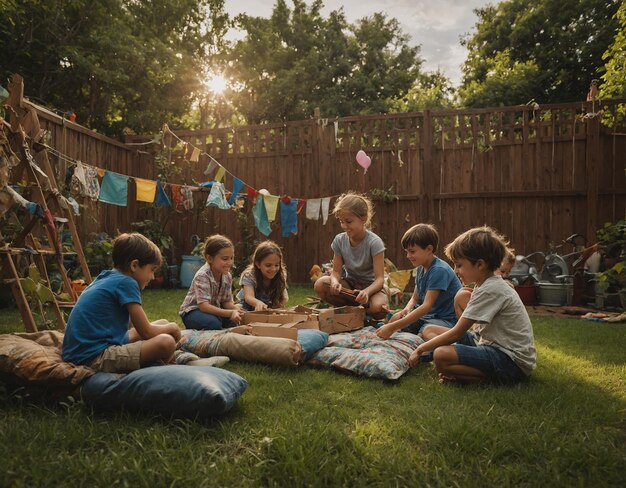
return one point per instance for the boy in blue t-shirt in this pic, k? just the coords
(436, 284)
(108, 329)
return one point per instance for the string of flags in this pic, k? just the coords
(112, 188)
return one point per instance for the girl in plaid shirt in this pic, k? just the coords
(209, 303)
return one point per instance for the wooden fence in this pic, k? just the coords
(537, 174)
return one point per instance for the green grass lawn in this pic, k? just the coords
(308, 427)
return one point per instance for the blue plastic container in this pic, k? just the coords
(188, 269)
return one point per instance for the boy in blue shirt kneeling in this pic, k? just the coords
(436, 284)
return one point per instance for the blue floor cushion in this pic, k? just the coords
(311, 341)
(172, 390)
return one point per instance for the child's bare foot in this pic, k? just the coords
(241, 329)
(446, 380)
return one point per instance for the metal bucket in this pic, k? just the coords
(555, 294)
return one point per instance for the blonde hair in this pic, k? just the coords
(479, 243)
(509, 256)
(357, 204)
(276, 290)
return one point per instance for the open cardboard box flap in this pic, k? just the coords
(287, 331)
(336, 320)
(274, 317)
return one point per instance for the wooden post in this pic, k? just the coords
(12, 278)
(592, 163)
(425, 169)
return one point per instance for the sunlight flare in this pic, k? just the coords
(216, 83)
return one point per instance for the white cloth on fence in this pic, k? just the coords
(325, 209)
(313, 208)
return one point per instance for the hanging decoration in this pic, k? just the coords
(364, 160)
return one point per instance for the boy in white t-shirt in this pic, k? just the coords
(501, 346)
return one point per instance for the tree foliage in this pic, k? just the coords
(557, 44)
(614, 79)
(297, 60)
(430, 91)
(507, 83)
(115, 63)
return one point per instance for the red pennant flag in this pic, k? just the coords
(301, 204)
(251, 192)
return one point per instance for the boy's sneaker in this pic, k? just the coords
(215, 361)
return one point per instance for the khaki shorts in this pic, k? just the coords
(118, 359)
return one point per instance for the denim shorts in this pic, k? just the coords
(496, 365)
(199, 320)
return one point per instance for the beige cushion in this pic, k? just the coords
(240, 347)
(265, 350)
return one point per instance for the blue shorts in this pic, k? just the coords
(417, 327)
(496, 365)
(468, 339)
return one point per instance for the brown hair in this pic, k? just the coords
(479, 243)
(422, 235)
(215, 244)
(355, 203)
(131, 246)
(276, 290)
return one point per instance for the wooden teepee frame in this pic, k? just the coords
(25, 137)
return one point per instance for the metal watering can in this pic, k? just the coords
(524, 271)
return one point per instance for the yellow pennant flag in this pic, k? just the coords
(146, 190)
(271, 205)
(220, 174)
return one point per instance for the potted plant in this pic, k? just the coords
(612, 244)
(154, 231)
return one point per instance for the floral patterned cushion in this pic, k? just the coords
(363, 353)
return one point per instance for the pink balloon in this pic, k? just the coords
(363, 159)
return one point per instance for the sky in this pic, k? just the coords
(436, 25)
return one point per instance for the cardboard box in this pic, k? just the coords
(336, 320)
(330, 320)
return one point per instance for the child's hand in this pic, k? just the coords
(174, 331)
(384, 332)
(236, 315)
(335, 286)
(414, 358)
(398, 315)
(363, 297)
(260, 306)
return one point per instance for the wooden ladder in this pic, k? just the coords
(36, 170)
